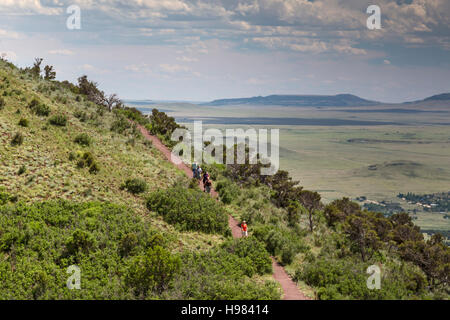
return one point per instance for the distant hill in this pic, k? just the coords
(438, 97)
(340, 100)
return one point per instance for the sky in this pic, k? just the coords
(201, 50)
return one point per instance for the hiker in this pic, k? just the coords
(244, 229)
(207, 185)
(194, 170)
(199, 173)
(205, 177)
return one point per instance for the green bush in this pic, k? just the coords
(5, 197)
(17, 139)
(81, 115)
(189, 210)
(284, 242)
(49, 237)
(94, 168)
(39, 108)
(153, 271)
(85, 160)
(22, 170)
(79, 241)
(347, 279)
(227, 190)
(23, 122)
(83, 139)
(135, 186)
(58, 120)
(88, 159)
(222, 274)
(252, 249)
(127, 244)
(120, 125)
(2, 103)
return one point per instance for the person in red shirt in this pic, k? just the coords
(244, 229)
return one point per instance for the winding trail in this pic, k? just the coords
(290, 290)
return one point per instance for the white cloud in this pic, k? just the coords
(8, 34)
(61, 52)
(187, 59)
(27, 7)
(174, 68)
(9, 55)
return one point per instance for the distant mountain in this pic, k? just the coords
(340, 100)
(438, 97)
(139, 102)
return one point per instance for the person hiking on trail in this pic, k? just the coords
(244, 229)
(199, 173)
(207, 185)
(194, 170)
(205, 177)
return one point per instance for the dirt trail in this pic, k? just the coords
(290, 290)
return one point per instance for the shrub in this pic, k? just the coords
(193, 183)
(85, 160)
(79, 241)
(347, 278)
(5, 197)
(227, 190)
(22, 170)
(42, 110)
(153, 271)
(283, 242)
(17, 139)
(88, 159)
(23, 122)
(127, 244)
(252, 249)
(219, 274)
(58, 120)
(135, 186)
(81, 115)
(83, 139)
(189, 210)
(120, 125)
(39, 108)
(2, 103)
(47, 237)
(94, 168)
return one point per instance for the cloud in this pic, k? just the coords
(9, 55)
(8, 34)
(28, 7)
(174, 68)
(61, 52)
(320, 25)
(187, 59)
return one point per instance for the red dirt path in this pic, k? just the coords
(290, 290)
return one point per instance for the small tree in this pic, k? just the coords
(361, 232)
(112, 101)
(50, 74)
(311, 202)
(36, 69)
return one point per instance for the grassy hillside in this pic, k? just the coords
(74, 179)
